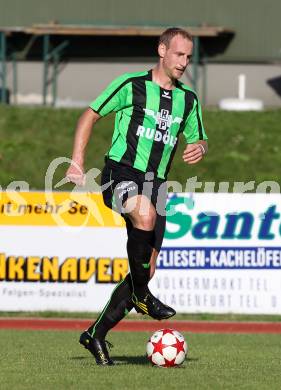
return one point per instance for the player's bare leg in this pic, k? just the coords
(153, 260)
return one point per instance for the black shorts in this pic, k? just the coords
(120, 182)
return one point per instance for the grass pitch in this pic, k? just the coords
(55, 360)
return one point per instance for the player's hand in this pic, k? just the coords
(193, 153)
(75, 174)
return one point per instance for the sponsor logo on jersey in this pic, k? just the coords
(157, 135)
(163, 120)
(166, 94)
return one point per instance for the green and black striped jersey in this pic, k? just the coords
(149, 120)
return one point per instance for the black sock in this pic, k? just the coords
(139, 252)
(119, 305)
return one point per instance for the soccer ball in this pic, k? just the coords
(166, 348)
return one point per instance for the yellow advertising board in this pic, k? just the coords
(56, 209)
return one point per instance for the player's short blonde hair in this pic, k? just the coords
(171, 32)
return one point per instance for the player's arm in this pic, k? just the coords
(75, 172)
(195, 136)
(113, 98)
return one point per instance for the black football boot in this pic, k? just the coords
(151, 306)
(98, 348)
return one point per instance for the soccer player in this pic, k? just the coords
(152, 109)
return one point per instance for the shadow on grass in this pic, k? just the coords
(192, 359)
(141, 360)
(80, 358)
(135, 360)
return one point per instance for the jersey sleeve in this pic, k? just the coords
(194, 129)
(113, 98)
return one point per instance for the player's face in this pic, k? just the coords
(176, 57)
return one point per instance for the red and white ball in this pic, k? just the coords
(166, 348)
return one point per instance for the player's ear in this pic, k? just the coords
(162, 50)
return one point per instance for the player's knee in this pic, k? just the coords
(147, 222)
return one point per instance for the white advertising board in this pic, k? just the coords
(221, 253)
